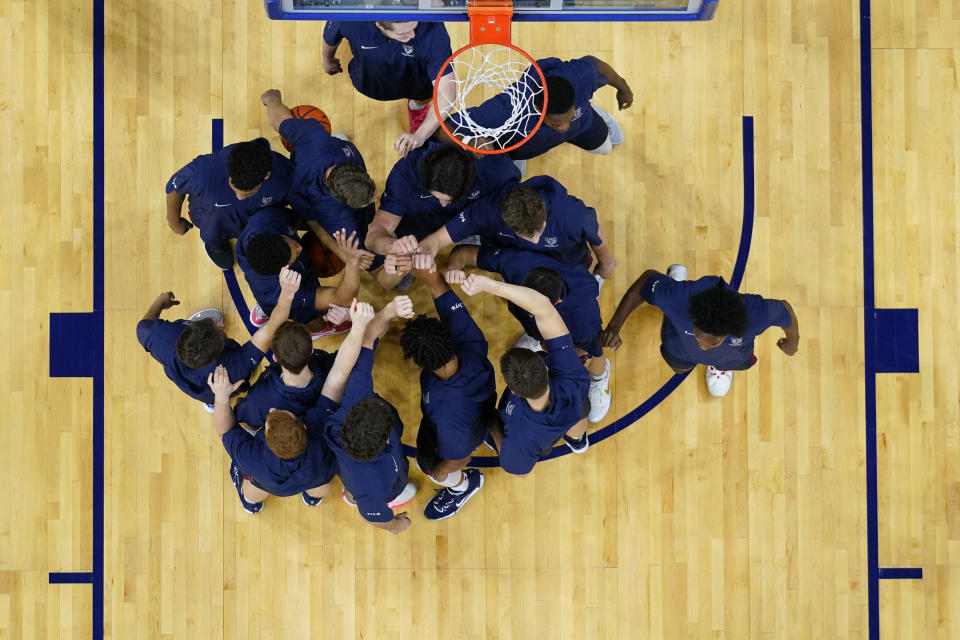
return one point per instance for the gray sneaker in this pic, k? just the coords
(208, 313)
(678, 272)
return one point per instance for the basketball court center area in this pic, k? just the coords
(770, 513)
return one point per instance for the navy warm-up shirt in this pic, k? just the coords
(375, 483)
(571, 224)
(527, 433)
(213, 205)
(159, 338)
(673, 297)
(385, 69)
(313, 468)
(421, 213)
(578, 305)
(585, 77)
(266, 289)
(455, 405)
(269, 391)
(315, 151)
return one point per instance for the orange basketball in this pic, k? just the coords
(325, 263)
(304, 112)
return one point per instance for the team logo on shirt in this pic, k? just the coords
(407, 50)
(462, 216)
(266, 201)
(576, 114)
(736, 341)
(459, 305)
(549, 242)
(347, 151)
(510, 407)
(474, 195)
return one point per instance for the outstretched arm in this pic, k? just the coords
(219, 383)
(425, 270)
(289, 285)
(436, 241)
(791, 340)
(277, 112)
(610, 337)
(460, 258)
(624, 94)
(399, 307)
(350, 281)
(328, 56)
(361, 313)
(446, 96)
(160, 303)
(548, 319)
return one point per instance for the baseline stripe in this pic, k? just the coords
(65, 577)
(900, 573)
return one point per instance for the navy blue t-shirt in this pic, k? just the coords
(270, 392)
(213, 205)
(585, 77)
(159, 339)
(578, 305)
(313, 468)
(421, 213)
(455, 405)
(375, 483)
(266, 289)
(315, 151)
(673, 297)
(386, 69)
(571, 224)
(527, 433)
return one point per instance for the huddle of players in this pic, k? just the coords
(310, 414)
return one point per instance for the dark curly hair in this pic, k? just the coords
(350, 184)
(292, 346)
(524, 210)
(200, 344)
(524, 372)
(367, 427)
(561, 96)
(428, 341)
(268, 253)
(448, 170)
(719, 311)
(249, 163)
(546, 281)
(285, 434)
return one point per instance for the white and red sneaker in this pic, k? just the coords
(257, 317)
(330, 329)
(718, 382)
(405, 496)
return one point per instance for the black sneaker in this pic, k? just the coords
(577, 446)
(446, 503)
(237, 478)
(309, 500)
(220, 254)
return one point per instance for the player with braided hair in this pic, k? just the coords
(705, 321)
(457, 392)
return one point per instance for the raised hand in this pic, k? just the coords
(610, 339)
(351, 249)
(336, 314)
(397, 264)
(270, 95)
(424, 262)
(455, 276)
(405, 245)
(475, 283)
(166, 300)
(401, 306)
(361, 313)
(219, 383)
(289, 281)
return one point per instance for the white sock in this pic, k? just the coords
(416, 106)
(452, 480)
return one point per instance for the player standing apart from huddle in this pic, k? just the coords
(394, 60)
(546, 397)
(705, 321)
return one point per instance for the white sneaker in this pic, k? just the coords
(521, 165)
(599, 395)
(718, 382)
(616, 133)
(341, 135)
(208, 313)
(678, 272)
(405, 496)
(526, 341)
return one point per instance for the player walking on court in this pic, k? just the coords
(705, 321)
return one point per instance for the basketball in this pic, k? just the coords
(325, 262)
(305, 112)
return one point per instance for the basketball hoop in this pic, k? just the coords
(491, 65)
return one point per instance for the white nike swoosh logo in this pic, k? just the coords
(426, 196)
(689, 334)
(221, 205)
(363, 47)
(505, 235)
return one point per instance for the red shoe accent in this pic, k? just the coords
(331, 330)
(416, 116)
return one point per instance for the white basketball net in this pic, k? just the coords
(497, 74)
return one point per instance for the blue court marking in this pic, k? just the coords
(878, 323)
(90, 326)
(896, 340)
(72, 352)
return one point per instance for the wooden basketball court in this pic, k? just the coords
(746, 517)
